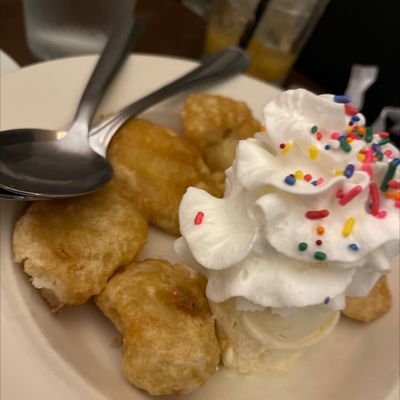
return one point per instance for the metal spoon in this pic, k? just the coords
(221, 65)
(217, 66)
(39, 162)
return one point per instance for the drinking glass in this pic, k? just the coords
(62, 28)
(282, 27)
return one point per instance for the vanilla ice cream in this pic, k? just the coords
(310, 215)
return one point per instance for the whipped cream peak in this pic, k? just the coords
(292, 114)
(311, 210)
(224, 226)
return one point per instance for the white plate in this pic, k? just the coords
(69, 355)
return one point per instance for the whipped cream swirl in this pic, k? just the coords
(310, 212)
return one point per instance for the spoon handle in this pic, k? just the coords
(221, 65)
(121, 40)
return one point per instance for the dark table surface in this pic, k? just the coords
(164, 21)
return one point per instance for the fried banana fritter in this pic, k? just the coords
(159, 165)
(215, 124)
(70, 248)
(370, 307)
(170, 344)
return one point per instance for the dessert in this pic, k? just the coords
(215, 124)
(70, 248)
(282, 250)
(170, 345)
(310, 215)
(370, 307)
(158, 165)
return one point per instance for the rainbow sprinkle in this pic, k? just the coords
(290, 180)
(349, 110)
(303, 246)
(374, 197)
(316, 214)
(349, 171)
(368, 156)
(198, 219)
(361, 157)
(381, 214)
(307, 177)
(389, 174)
(339, 194)
(348, 226)
(392, 195)
(361, 130)
(394, 184)
(353, 246)
(320, 256)
(347, 197)
(313, 152)
(299, 175)
(383, 135)
(387, 153)
(384, 141)
(341, 99)
(344, 145)
(369, 135)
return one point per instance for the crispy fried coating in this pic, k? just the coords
(170, 344)
(70, 248)
(215, 124)
(160, 166)
(370, 307)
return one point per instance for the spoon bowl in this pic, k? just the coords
(62, 166)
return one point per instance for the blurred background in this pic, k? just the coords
(352, 32)
(345, 33)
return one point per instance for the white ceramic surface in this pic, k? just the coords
(69, 355)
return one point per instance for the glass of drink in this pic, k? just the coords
(272, 31)
(62, 28)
